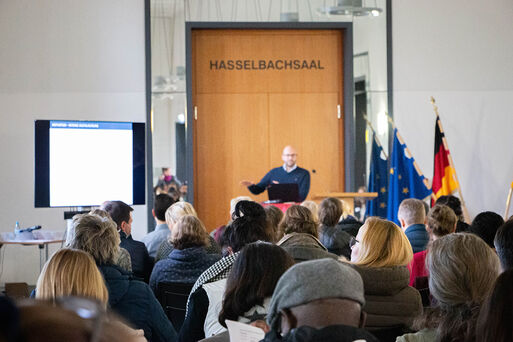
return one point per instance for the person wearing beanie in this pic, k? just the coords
(318, 300)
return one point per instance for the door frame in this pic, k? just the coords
(349, 130)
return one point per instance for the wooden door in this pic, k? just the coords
(251, 101)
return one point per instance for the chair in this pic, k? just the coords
(173, 298)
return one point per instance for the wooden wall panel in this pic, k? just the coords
(232, 142)
(310, 122)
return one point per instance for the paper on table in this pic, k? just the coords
(241, 332)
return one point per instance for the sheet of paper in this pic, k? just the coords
(241, 332)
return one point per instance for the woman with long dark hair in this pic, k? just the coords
(252, 281)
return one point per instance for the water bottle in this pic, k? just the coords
(17, 227)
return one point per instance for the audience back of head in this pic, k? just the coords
(189, 232)
(330, 211)
(485, 226)
(441, 220)
(313, 207)
(462, 272)
(97, 236)
(253, 278)
(177, 210)
(411, 211)
(274, 216)
(249, 225)
(303, 307)
(299, 219)
(503, 243)
(71, 272)
(381, 243)
(119, 211)
(161, 204)
(496, 315)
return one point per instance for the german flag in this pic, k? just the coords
(444, 180)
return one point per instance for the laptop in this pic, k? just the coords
(286, 192)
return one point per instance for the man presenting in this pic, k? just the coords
(288, 173)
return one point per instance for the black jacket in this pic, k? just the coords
(350, 225)
(134, 301)
(336, 241)
(142, 263)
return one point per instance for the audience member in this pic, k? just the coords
(274, 216)
(332, 236)
(188, 259)
(462, 271)
(130, 298)
(412, 217)
(485, 226)
(248, 288)
(124, 260)
(153, 240)
(496, 315)
(70, 319)
(71, 272)
(313, 207)
(381, 253)
(121, 214)
(441, 221)
(173, 214)
(301, 236)
(318, 300)
(348, 223)
(454, 203)
(503, 243)
(248, 226)
(218, 232)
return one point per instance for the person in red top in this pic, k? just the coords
(441, 221)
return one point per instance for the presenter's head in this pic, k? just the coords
(289, 156)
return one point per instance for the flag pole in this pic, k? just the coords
(375, 135)
(417, 168)
(466, 215)
(508, 202)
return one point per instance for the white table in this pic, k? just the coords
(41, 239)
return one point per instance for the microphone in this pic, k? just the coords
(29, 229)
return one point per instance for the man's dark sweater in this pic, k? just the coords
(299, 176)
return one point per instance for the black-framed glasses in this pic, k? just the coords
(353, 242)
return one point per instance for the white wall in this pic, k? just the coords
(460, 52)
(61, 60)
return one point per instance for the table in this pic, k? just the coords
(42, 240)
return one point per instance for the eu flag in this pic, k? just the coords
(406, 181)
(378, 180)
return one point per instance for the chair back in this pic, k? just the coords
(173, 298)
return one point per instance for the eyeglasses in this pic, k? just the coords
(87, 309)
(353, 242)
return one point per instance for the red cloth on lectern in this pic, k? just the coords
(282, 206)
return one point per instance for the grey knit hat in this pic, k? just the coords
(313, 280)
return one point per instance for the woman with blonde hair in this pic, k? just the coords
(173, 214)
(71, 272)
(189, 259)
(380, 253)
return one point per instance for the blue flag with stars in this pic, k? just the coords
(378, 181)
(405, 180)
